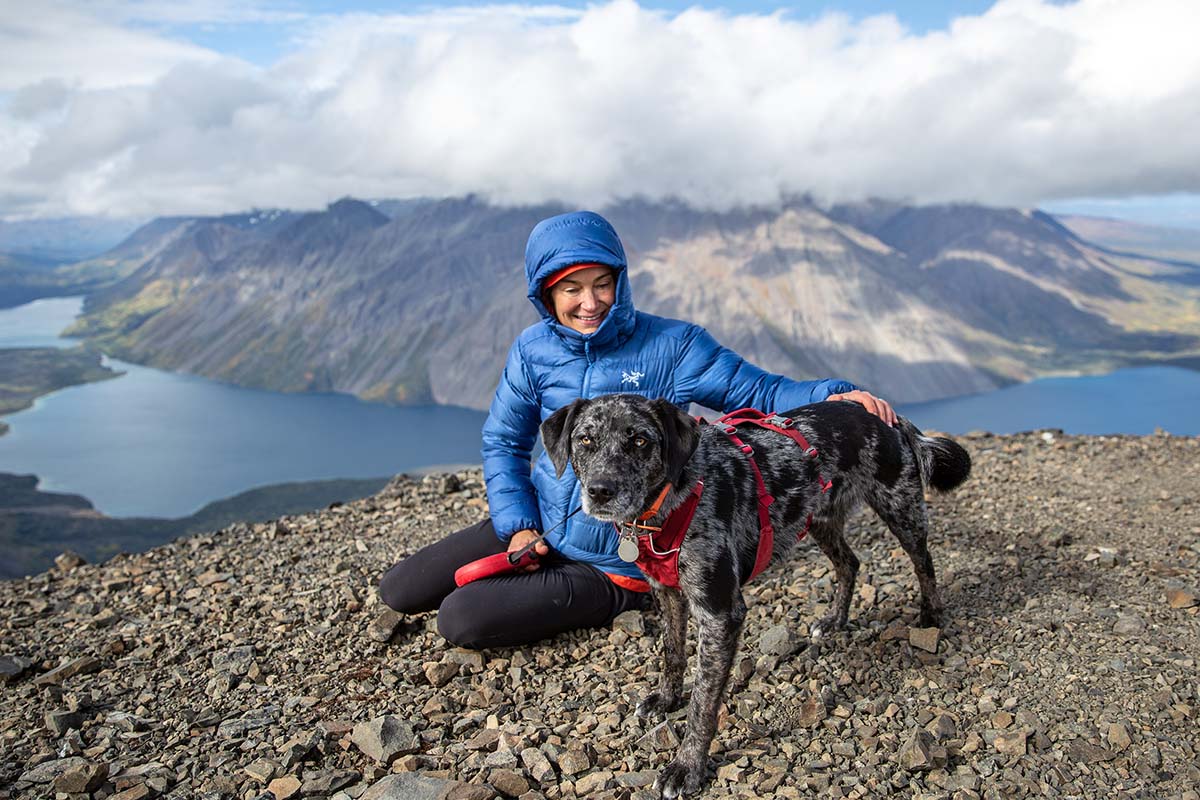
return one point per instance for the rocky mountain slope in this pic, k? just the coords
(914, 302)
(255, 662)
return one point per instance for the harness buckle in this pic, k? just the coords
(747, 449)
(780, 421)
(811, 452)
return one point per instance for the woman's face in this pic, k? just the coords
(582, 299)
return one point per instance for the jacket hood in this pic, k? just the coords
(581, 237)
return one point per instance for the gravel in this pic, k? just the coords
(257, 661)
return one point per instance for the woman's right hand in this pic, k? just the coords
(522, 538)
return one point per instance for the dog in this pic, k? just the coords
(638, 461)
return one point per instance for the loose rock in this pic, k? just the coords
(385, 625)
(80, 778)
(778, 640)
(67, 561)
(384, 738)
(924, 638)
(285, 787)
(1181, 598)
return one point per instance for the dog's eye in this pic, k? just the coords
(586, 441)
(639, 441)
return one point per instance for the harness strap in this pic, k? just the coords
(766, 531)
(658, 547)
(786, 426)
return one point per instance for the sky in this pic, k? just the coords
(139, 108)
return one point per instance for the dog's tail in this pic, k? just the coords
(945, 464)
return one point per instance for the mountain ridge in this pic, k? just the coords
(915, 303)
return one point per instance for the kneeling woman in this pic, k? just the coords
(590, 342)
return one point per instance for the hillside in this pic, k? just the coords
(27, 373)
(913, 302)
(226, 663)
(1170, 244)
(33, 254)
(64, 239)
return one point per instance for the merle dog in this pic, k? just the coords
(625, 448)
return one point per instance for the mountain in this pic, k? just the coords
(420, 304)
(65, 239)
(1170, 244)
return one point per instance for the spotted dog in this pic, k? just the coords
(639, 461)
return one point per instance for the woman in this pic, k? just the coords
(590, 341)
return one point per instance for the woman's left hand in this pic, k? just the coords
(876, 405)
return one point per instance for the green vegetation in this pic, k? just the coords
(27, 373)
(36, 526)
(24, 279)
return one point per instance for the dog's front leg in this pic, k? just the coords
(719, 633)
(674, 650)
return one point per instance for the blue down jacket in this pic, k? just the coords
(550, 365)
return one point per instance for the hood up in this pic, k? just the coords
(581, 237)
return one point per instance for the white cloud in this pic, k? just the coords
(54, 41)
(1031, 101)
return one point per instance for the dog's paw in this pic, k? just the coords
(824, 628)
(930, 618)
(679, 778)
(656, 704)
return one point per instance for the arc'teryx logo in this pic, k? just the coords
(632, 377)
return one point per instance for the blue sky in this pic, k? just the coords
(264, 41)
(147, 107)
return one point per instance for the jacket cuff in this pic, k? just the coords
(505, 531)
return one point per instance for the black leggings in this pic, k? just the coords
(512, 609)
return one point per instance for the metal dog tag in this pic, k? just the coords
(628, 550)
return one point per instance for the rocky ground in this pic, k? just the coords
(255, 662)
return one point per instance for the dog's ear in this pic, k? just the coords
(556, 434)
(681, 436)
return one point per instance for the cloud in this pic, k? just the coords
(1028, 102)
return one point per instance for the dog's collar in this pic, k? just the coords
(639, 523)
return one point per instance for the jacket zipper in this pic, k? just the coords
(587, 385)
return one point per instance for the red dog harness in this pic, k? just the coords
(658, 548)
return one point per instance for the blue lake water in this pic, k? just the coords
(38, 324)
(154, 443)
(1136, 400)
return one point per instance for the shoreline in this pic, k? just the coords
(28, 374)
(37, 525)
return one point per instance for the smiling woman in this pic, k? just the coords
(581, 295)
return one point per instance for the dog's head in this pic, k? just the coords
(622, 447)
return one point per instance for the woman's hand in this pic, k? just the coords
(876, 405)
(522, 538)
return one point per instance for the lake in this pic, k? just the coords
(1135, 400)
(155, 443)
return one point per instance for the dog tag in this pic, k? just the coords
(628, 550)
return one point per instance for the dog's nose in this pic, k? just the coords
(601, 492)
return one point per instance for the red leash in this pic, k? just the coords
(502, 563)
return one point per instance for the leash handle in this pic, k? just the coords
(503, 563)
